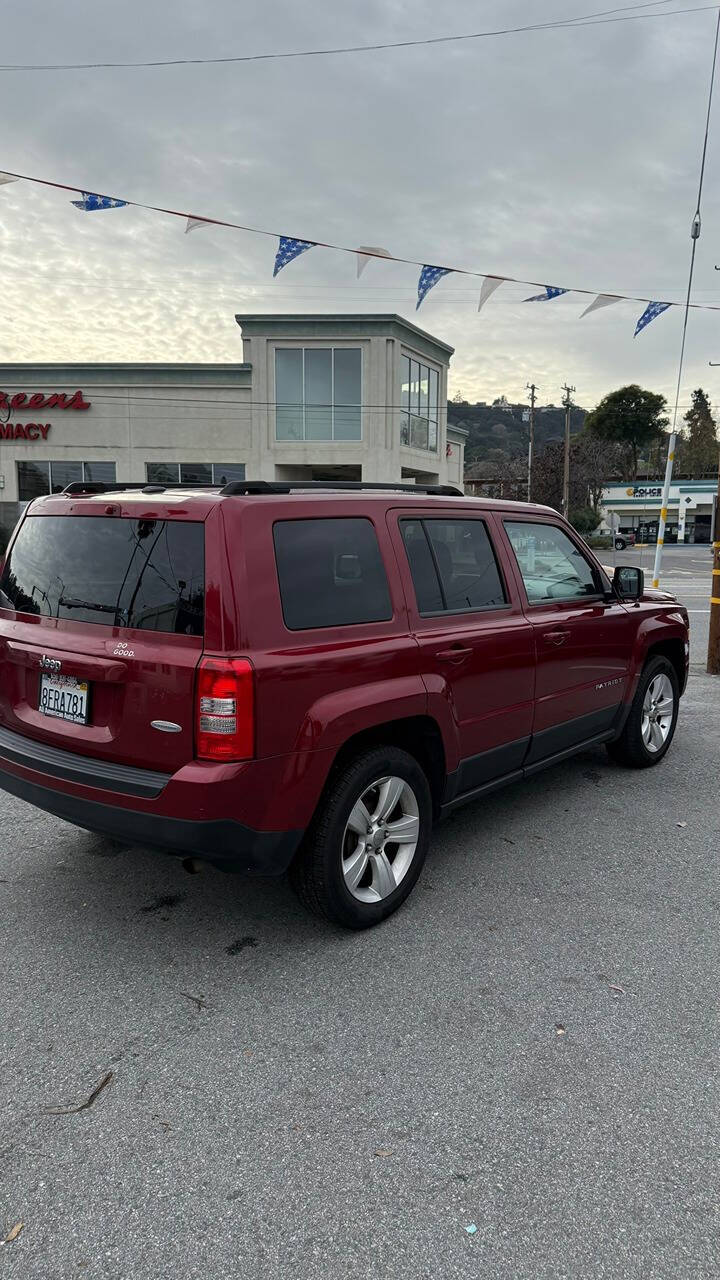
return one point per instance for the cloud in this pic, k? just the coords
(568, 157)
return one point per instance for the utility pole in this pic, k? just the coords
(713, 661)
(713, 658)
(566, 471)
(531, 447)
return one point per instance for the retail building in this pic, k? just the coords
(316, 397)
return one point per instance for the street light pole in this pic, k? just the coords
(531, 447)
(566, 469)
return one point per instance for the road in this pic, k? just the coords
(686, 571)
(529, 1047)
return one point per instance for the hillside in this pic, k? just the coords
(493, 427)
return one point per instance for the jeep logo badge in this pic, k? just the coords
(50, 664)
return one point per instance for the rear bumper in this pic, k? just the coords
(191, 812)
(224, 843)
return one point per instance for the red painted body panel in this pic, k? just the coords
(314, 690)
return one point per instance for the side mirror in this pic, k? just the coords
(628, 582)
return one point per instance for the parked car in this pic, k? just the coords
(623, 540)
(273, 679)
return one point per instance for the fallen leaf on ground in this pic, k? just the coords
(559, 1029)
(615, 986)
(382, 1151)
(13, 1233)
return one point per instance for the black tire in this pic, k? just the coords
(630, 749)
(620, 544)
(317, 872)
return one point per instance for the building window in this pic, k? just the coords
(419, 400)
(194, 472)
(35, 479)
(318, 393)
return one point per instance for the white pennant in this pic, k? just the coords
(7, 177)
(366, 253)
(489, 285)
(602, 300)
(194, 223)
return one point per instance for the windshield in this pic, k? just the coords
(147, 574)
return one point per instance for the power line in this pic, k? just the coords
(582, 20)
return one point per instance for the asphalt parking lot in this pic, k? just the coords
(528, 1048)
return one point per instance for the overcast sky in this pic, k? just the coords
(570, 157)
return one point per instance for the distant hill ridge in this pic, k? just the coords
(500, 427)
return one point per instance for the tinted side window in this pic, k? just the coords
(331, 573)
(552, 567)
(422, 567)
(455, 570)
(148, 574)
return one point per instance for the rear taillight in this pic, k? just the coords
(224, 709)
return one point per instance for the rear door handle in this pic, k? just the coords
(556, 637)
(456, 654)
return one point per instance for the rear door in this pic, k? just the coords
(101, 629)
(477, 647)
(584, 641)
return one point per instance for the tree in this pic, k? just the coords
(700, 453)
(593, 462)
(631, 417)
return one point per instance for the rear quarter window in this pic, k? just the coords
(145, 574)
(331, 573)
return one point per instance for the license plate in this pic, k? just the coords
(65, 698)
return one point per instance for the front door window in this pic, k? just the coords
(552, 566)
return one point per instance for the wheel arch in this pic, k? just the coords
(674, 650)
(419, 736)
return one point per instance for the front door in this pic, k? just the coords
(583, 640)
(476, 646)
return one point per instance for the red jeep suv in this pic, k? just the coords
(274, 678)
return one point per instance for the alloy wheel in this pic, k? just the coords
(380, 839)
(657, 713)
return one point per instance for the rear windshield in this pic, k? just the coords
(148, 574)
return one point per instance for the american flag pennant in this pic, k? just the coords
(194, 223)
(602, 300)
(489, 285)
(651, 312)
(289, 249)
(7, 177)
(550, 293)
(90, 202)
(429, 277)
(366, 253)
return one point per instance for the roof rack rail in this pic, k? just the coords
(78, 487)
(240, 488)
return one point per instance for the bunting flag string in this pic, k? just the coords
(90, 202)
(429, 277)
(650, 313)
(489, 285)
(550, 293)
(366, 253)
(289, 248)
